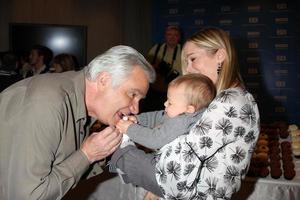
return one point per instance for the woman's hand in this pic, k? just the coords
(150, 196)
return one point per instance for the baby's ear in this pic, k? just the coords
(190, 109)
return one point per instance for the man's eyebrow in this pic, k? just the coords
(136, 90)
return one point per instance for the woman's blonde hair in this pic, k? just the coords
(199, 90)
(212, 39)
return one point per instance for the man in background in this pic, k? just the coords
(166, 59)
(169, 51)
(39, 59)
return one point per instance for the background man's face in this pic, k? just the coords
(34, 57)
(172, 37)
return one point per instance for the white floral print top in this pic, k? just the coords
(210, 161)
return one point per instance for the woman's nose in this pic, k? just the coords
(188, 68)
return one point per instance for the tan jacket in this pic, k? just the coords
(43, 121)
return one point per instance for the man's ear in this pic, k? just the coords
(221, 54)
(103, 80)
(190, 109)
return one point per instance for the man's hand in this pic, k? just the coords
(101, 144)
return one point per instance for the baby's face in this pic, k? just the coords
(176, 102)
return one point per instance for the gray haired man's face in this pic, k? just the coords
(124, 99)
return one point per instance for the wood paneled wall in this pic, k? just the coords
(109, 22)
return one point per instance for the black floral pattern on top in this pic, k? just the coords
(211, 160)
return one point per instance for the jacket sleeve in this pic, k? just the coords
(38, 174)
(151, 119)
(155, 138)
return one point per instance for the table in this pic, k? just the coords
(269, 188)
(251, 189)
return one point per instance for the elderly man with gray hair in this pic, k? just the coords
(45, 145)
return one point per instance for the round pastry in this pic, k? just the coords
(295, 133)
(285, 144)
(283, 131)
(295, 148)
(273, 143)
(287, 158)
(262, 163)
(274, 150)
(284, 134)
(295, 145)
(273, 136)
(262, 156)
(289, 174)
(276, 172)
(264, 172)
(263, 148)
(262, 142)
(288, 165)
(263, 136)
(286, 152)
(275, 164)
(292, 127)
(296, 153)
(282, 125)
(295, 139)
(274, 156)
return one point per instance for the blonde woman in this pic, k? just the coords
(211, 160)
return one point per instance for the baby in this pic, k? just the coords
(187, 96)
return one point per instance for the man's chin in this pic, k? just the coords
(114, 121)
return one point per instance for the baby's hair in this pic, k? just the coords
(199, 89)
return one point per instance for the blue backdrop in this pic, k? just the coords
(265, 35)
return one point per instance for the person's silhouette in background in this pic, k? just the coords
(39, 58)
(63, 62)
(166, 59)
(8, 63)
(23, 67)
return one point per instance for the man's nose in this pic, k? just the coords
(134, 107)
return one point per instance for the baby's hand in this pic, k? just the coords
(132, 118)
(123, 125)
(150, 196)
